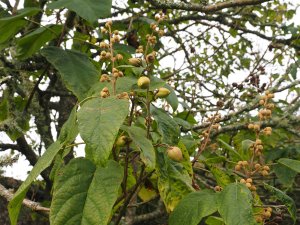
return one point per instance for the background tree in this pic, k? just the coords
(188, 111)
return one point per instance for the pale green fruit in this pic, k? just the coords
(162, 93)
(143, 82)
(175, 153)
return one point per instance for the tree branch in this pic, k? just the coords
(35, 206)
(205, 8)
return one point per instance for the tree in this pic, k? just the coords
(188, 111)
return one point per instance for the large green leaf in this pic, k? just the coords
(138, 136)
(99, 121)
(174, 181)
(77, 72)
(9, 26)
(43, 162)
(193, 207)
(91, 10)
(290, 163)
(284, 198)
(31, 43)
(235, 205)
(85, 194)
(168, 128)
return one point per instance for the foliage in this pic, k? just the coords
(187, 112)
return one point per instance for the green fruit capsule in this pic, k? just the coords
(175, 153)
(162, 93)
(143, 82)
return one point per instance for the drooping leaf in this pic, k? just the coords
(290, 163)
(45, 161)
(235, 205)
(174, 182)
(284, 198)
(99, 121)
(85, 194)
(193, 208)
(166, 125)
(32, 42)
(9, 26)
(77, 72)
(90, 10)
(138, 136)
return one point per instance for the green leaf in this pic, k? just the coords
(31, 43)
(138, 136)
(99, 121)
(172, 97)
(193, 208)
(290, 163)
(235, 205)
(284, 198)
(85, 194)
(9, 26)
(174, 181)
(168, 128)
(77, 72)
(45, 161)
(90, 10)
